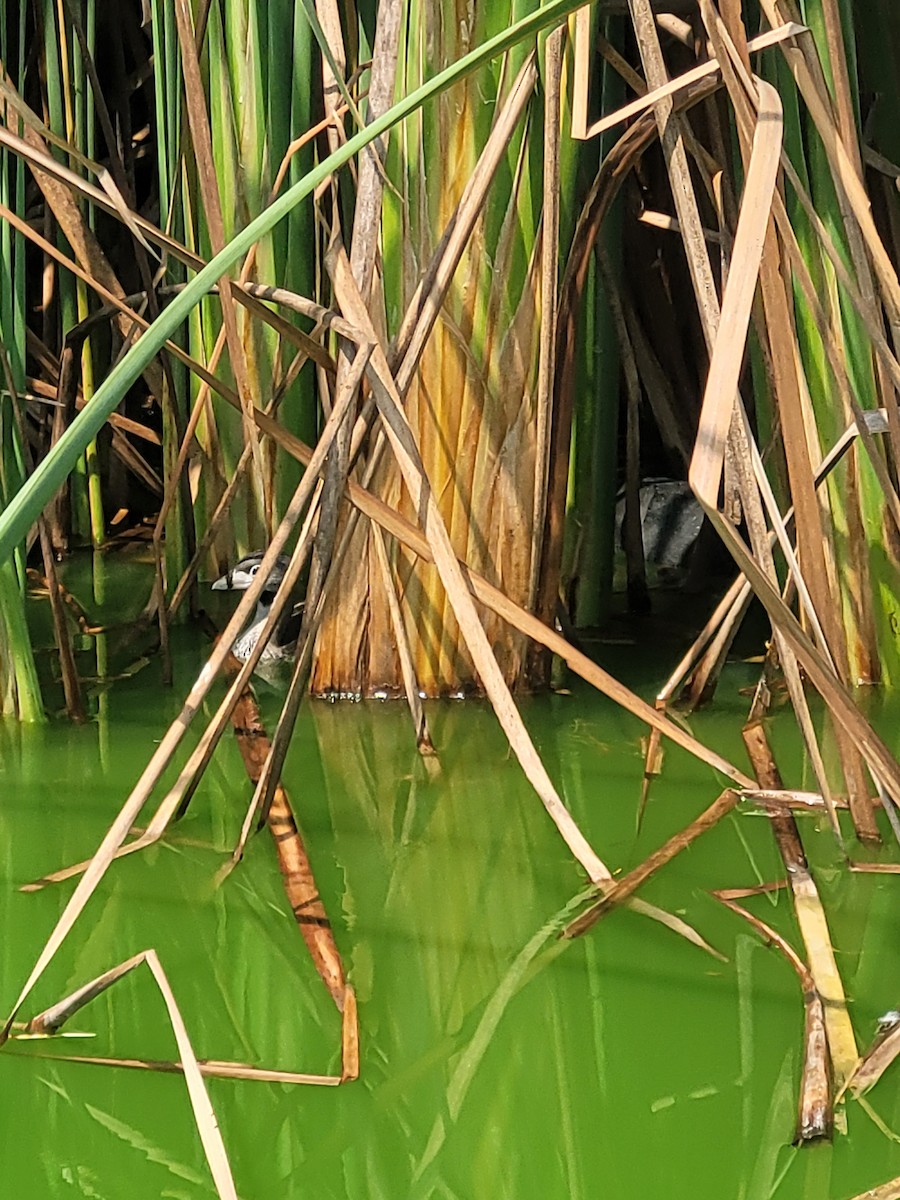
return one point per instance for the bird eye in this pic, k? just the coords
(253, 569)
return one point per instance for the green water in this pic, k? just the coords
(496, 1062)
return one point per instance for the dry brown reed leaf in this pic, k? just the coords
(209, 1068)
(781, 799)
(875, 1061)
(214, 1148)
(816, 1107)
(620, 891)
(757, 889)
(580, 128)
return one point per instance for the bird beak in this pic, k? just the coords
(223, 584)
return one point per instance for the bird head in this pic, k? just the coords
(241, 576)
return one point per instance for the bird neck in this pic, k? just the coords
(263, 605)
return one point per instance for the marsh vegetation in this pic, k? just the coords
(412, 299)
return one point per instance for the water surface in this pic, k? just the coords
(497, 1062)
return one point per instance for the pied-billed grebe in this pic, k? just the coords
(284, 636)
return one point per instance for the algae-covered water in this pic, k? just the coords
(497, 1062)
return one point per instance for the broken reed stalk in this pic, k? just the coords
(625, 887)
(209, 1069)
(777, 799)
(875, 1061)
(815, 1118)
(808, 910)
(885, 1191)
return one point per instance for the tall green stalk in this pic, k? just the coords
(175, 401)
(591, 502)
(256, 63)
(20, 693)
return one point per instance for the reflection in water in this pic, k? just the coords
(497, 1062)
